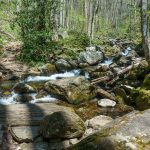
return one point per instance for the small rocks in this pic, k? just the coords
(62, 124)
(106, 103)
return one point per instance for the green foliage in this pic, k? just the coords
(76, 40)
(36, 21)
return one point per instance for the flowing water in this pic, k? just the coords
(11, 95)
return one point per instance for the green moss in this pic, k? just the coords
(141, 98)
(146, 82)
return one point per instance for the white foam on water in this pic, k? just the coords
(11, 99)
(47, 98)
(87, 75)
(126, 52)
(8, 100)
(108, 61)
(53, 77)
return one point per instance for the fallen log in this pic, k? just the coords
(115, 76)
(27, 114)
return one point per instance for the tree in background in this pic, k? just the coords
(36, 20)
(145, 29)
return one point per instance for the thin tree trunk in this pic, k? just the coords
(145, 29)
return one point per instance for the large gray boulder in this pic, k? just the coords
(131, 132)
(62, 124)
(91, 57)
(74, 89)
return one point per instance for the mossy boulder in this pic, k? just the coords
(139, 72)
(146, 82)
(48, 69)
(62, 124)
(141, 95)
(143, 99)
(74, 90)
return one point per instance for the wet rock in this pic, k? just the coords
(62, 124)
(106, 103)
(98, 122)
(25, 133)
(23, 98)
(62, 65)
(34, 146)
(91, 57)
(74, 89)
(23, 88)
(129, 132)
(48, 69)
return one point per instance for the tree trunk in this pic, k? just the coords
(145, 29)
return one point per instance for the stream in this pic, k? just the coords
(8, 96)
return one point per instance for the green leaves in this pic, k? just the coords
(37, 23)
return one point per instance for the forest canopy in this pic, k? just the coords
(38, 23)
